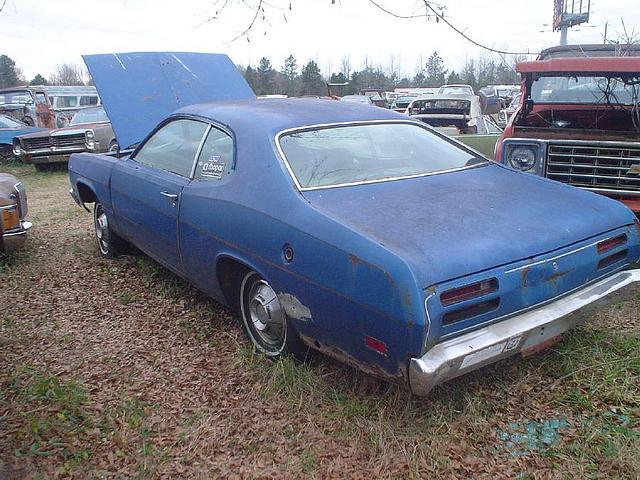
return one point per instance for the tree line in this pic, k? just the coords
(292, 80)
(65, 74)
(308, 80)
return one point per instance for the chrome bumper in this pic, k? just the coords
(525, 333)
(13, 240)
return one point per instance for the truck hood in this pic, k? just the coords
(138, 90)
(454, 224)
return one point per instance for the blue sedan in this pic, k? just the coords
(360, 233)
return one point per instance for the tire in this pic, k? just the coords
(29, 121)
(109, 243)
(264, 320)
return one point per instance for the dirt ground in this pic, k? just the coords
(118, 369)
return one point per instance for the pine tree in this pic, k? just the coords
(9, 73)
(265, 77)
(312, 81)
(435, 71)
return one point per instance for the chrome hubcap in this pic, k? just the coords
(102, 230)
(265, 314)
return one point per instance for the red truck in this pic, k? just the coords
(578, 121)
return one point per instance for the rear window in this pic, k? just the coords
(343, 155)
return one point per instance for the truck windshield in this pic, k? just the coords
(16, 97)
(586, 90)
(346, 155)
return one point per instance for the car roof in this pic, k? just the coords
(581, 64)
(273, 115)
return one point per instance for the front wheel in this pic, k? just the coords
(109, 243)
(265, 321)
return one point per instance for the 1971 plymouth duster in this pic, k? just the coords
(13, 210)
(353, 230)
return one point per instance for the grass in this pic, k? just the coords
(52, 418)
(592, 378)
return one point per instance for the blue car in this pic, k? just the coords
(351, 230)
(10, 128)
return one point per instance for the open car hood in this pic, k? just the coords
(138, 90)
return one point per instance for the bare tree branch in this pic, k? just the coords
(431, 10)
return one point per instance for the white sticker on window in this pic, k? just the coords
(213, 167)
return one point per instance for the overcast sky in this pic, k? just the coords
(40, 34)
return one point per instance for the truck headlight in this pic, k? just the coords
(90, 139)
(525, 157)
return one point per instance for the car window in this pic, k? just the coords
(87, 100)
(491, 127)
(40, 98)
(67, 101)
(342, 155)
(89, 115)
(173, 148)
(8, 122)
(216, 157)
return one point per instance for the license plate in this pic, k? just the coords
(10, 219)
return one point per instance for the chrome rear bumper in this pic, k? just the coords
(526, 332)
(14, 239)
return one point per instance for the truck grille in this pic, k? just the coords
(594, 166)
(65, 141)
(36, 143)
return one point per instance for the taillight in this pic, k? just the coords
(473, 290)
(375, 344)
(611, 243)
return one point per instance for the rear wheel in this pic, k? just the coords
(265, 321)
(109, 243)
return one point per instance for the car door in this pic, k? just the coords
(146, 189)
(209, 213)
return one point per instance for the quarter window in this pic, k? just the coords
(173, 148)
(88, 100)
(216, 158)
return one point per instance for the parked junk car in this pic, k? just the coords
(460, 117)
(578, 124)
(401, 103)
(30, 105)
(13, 210)
(456, 89)
(506, 113)
(67, 100)
(9, 128)
(89, 131)
(308, 218)
(361, 99)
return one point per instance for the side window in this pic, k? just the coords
(216, 158)
(173, 148)
(491, 127)
(40, 98)
(88, 100)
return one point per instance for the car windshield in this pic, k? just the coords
(342, 155)
(586, 89)
(464, 89)
(8, 122)
(89, 115)
(20, 97)
(356, 98)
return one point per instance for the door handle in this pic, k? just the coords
(172, 196)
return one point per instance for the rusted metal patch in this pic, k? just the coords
(294, 307)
